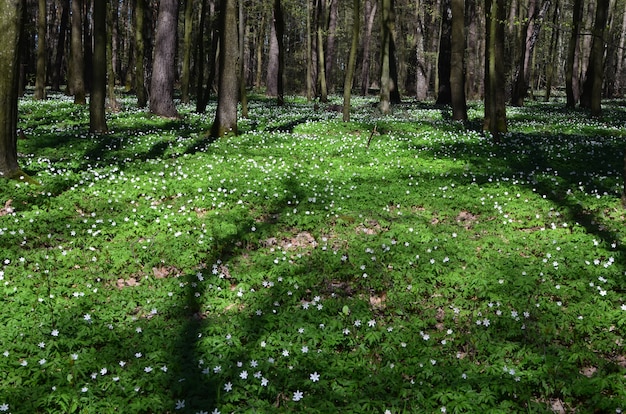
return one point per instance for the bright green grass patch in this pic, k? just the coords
(389, 264)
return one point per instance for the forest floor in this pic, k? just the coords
(400, 264)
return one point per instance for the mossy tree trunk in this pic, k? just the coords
(10, 21)
(228, 88)
(97, 98)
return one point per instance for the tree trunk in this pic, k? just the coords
(457, 61)
(321, 65)
(186, 71)
(243, 94)
(274, 81)
(57, 68)
(444, 96)
(529, 39)
(200, 59)
(309, 51)
(553, 53)
(369, 15)
(77, 64)
(333, 10)
(164, 64)
(226, 113)
(591, 97)
(347, 85)
(140, 85)
(619, 64)
(259, 53)
(389, 93)
(40, 78)
(113, 104)
(97, 119)
(571, 67)
(10, 21)
(495, 109)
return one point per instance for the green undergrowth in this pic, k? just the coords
(399, 264)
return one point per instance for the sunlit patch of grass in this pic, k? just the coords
(400, 264)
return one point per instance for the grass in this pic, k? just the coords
(402, 264)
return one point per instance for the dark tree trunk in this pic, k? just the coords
(10, 21)
(243, 35)
(529, 39)
(113, 104)
(57, 68)
(77, 64)
(554, 41)
(389, 93)
(571, 67)
(226, 113)
(186, 70)
(321, 63)
(457, 61)
(204, 92)
(444, 95)
(97, 118)
(200, 59)
(164, 64)
(333, 11)
(140, 82)
(347, 85)
(495, 107)
(40, 78)
(591, 96)
(274, 81)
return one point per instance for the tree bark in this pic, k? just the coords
(321, 65)
(571, 67)
(591, 97)
(140, 83)
(369, 15)
(309, 51)
(10, 21)
(457, 61)
(57, 68)
(243, 34)
(186, 70)
(40, 78)
(553, 53)
(113, 104)
(389, 93)
(495, 109)
(347, 85)
(444, 96)
(275, 63)
(333, 10)
(97, 118)
(164, 64)
(77, 64)
(226, 113)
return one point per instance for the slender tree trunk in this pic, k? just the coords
(57, 68)
(369, 15)
(259, 54)
(113, 104)
(389, 93)
(571, 67)
(332, 7)
(444, 96)
(77, 69)
(200, 59)
(164, 64)
(40, 79)
(276, 60)
(321, 64)
(554, 41)
(309, 51)
(619, 64)
(347, 85)
(243, 94)
(87, 45)
(591, 97)
(226, 113)
(10, 21)
(97, 118)
(186, 71)
(495, 109)
(457, 61)
(140, 85)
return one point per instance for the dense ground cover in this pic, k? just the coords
(390, 264)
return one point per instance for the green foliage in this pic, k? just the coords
(390, 264)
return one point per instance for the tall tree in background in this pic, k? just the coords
(529, 39)
(369, 15)
(591, 96)
(97, 116)
(10, 21)
(321, 65)
(140, 86)
(57, 67)
(112, 13)
(332, 11)
(226, 113)
(164, 63)
(571, 65)
(185, 76)
(457, 61)
(444, 95)
(243, 93)
(389, 93)
(77, 63)
(347, 85)
(40, 78)
(276, 59)
(495, 106)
